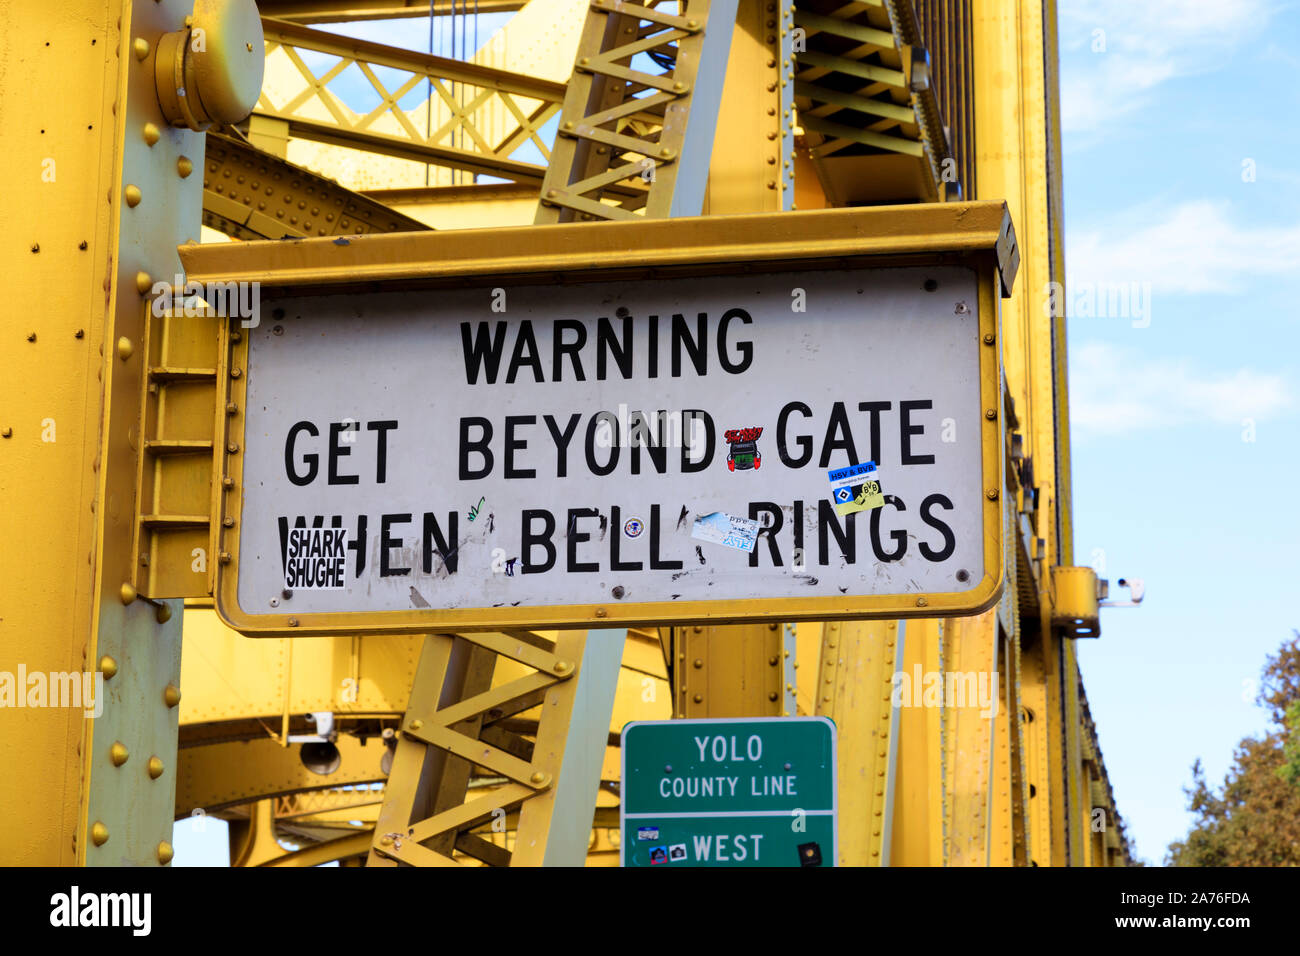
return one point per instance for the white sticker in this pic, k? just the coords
(315, 559)
(727, 530)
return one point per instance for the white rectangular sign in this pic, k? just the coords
(618, 444)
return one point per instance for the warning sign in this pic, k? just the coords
(807, 443)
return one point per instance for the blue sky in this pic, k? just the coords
(1164, 130)
(1182, 183)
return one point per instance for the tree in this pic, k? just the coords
(1254, 819)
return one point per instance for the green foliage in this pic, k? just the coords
(1254, 819)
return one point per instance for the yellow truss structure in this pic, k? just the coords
(499, 748)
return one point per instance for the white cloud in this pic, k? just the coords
(1116, 390)
(1190, 248)
(1146, 42)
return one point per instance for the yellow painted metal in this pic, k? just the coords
(972, 731)
(349, 11)
(1074, 601)
(252, 840)
(838, 236)
(752, 167)
(729, 671)
(252, 194)
(478, 119)
(618, 154)
(94, 200)
(215, 776)
(918, 836)
(854, 686)
(426, 813)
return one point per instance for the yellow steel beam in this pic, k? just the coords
(214, 776)
(971, 775)
(250, 194)
(347, 11)
(704, 241)
(94, 210)
(733, 671)
(854, 686)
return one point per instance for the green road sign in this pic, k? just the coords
(754, 791)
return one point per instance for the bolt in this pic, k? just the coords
(416, 724)
(36, 247)
(991, 494)
(990, 413)
(921, 602)
(79, 334)
(989, 339)
(293, 622)
(31, 336)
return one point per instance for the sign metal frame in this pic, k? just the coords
(976, 235)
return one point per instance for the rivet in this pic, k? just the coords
(151, 133)
(127, 593)
(666, 153)
(83, 245)
(107, 667)
(773, 660)
(140, 47)
(143, 282)
(132, 195)
(118, 753)
(562, 667)
(6, 432)
(679, 87)
(171, 695)
(232, 448)
(772, 695)
(699, 698)
(31, 336)
(991, 494)
(165, 853)
(601, 612)
(184, 167)
(989, 339)
(698, 663)
(124, 348)
(538, 778)
(386, 841)
(162, 612)
(99, 834)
